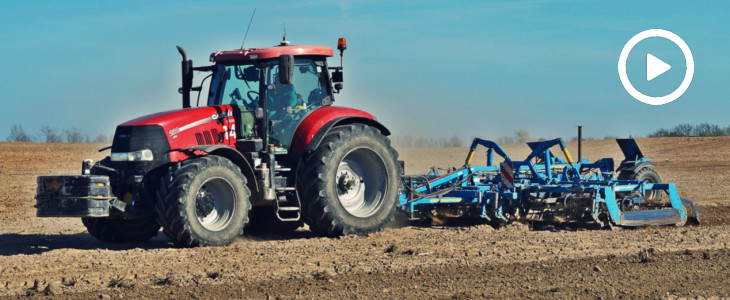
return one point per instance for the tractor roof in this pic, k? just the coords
(250, 54)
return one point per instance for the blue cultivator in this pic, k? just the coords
(544, 188)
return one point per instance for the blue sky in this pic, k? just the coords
(424, 68)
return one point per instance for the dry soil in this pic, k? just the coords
(47, 257)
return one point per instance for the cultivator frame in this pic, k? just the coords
(545, 188)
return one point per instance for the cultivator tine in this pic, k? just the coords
(695, 215)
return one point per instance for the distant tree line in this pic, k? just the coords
(520, 136)
(703, 129)
(49, 134)
(427, 142)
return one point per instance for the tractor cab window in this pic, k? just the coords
(236, 85)
(288, 104)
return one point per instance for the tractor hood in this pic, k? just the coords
(176, 130)
(183, 119)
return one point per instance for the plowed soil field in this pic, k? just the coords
(56, 258)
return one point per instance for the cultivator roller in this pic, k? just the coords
(544, 188)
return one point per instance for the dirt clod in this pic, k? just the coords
(50, 289)
(647, 255)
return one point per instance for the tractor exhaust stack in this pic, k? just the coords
(187, 77)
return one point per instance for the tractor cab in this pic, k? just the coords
(272, 89)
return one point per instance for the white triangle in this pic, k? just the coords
(655, 67)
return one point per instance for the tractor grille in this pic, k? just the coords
(135, 138)
(207, 137)
(214, 134)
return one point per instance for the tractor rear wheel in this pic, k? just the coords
(204, 202)
(120, 230)
(349, 184)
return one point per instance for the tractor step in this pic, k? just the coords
(666, 216)
(288, 208)
(283, 214)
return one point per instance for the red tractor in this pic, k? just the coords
(268, 149)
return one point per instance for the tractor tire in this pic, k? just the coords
(120, 230)
(349, 184)
(264, 220)
(648, 174)
(204, 201)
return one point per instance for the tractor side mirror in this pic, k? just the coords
(286, 68)
(337, 76)
(337, 79)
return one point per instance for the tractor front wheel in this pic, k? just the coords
(120, 230)
(349, 184)
(204, 202)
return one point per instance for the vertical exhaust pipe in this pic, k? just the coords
(187, 77)
(580, 143)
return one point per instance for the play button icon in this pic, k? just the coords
(655, 67)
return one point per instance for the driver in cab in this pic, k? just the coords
(282, 99)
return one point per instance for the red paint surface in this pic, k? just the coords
(315, 120)
(173, 121)
(268, 52)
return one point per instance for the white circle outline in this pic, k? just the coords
(687, 75)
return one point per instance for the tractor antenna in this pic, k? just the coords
(284, 42)
(247, 28)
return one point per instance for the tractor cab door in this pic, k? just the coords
(288, 104)
(238, 86)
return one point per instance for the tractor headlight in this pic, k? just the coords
(141, 155)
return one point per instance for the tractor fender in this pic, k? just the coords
(233, 155)
(635, 167)
(315, 126)
(322, 132)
